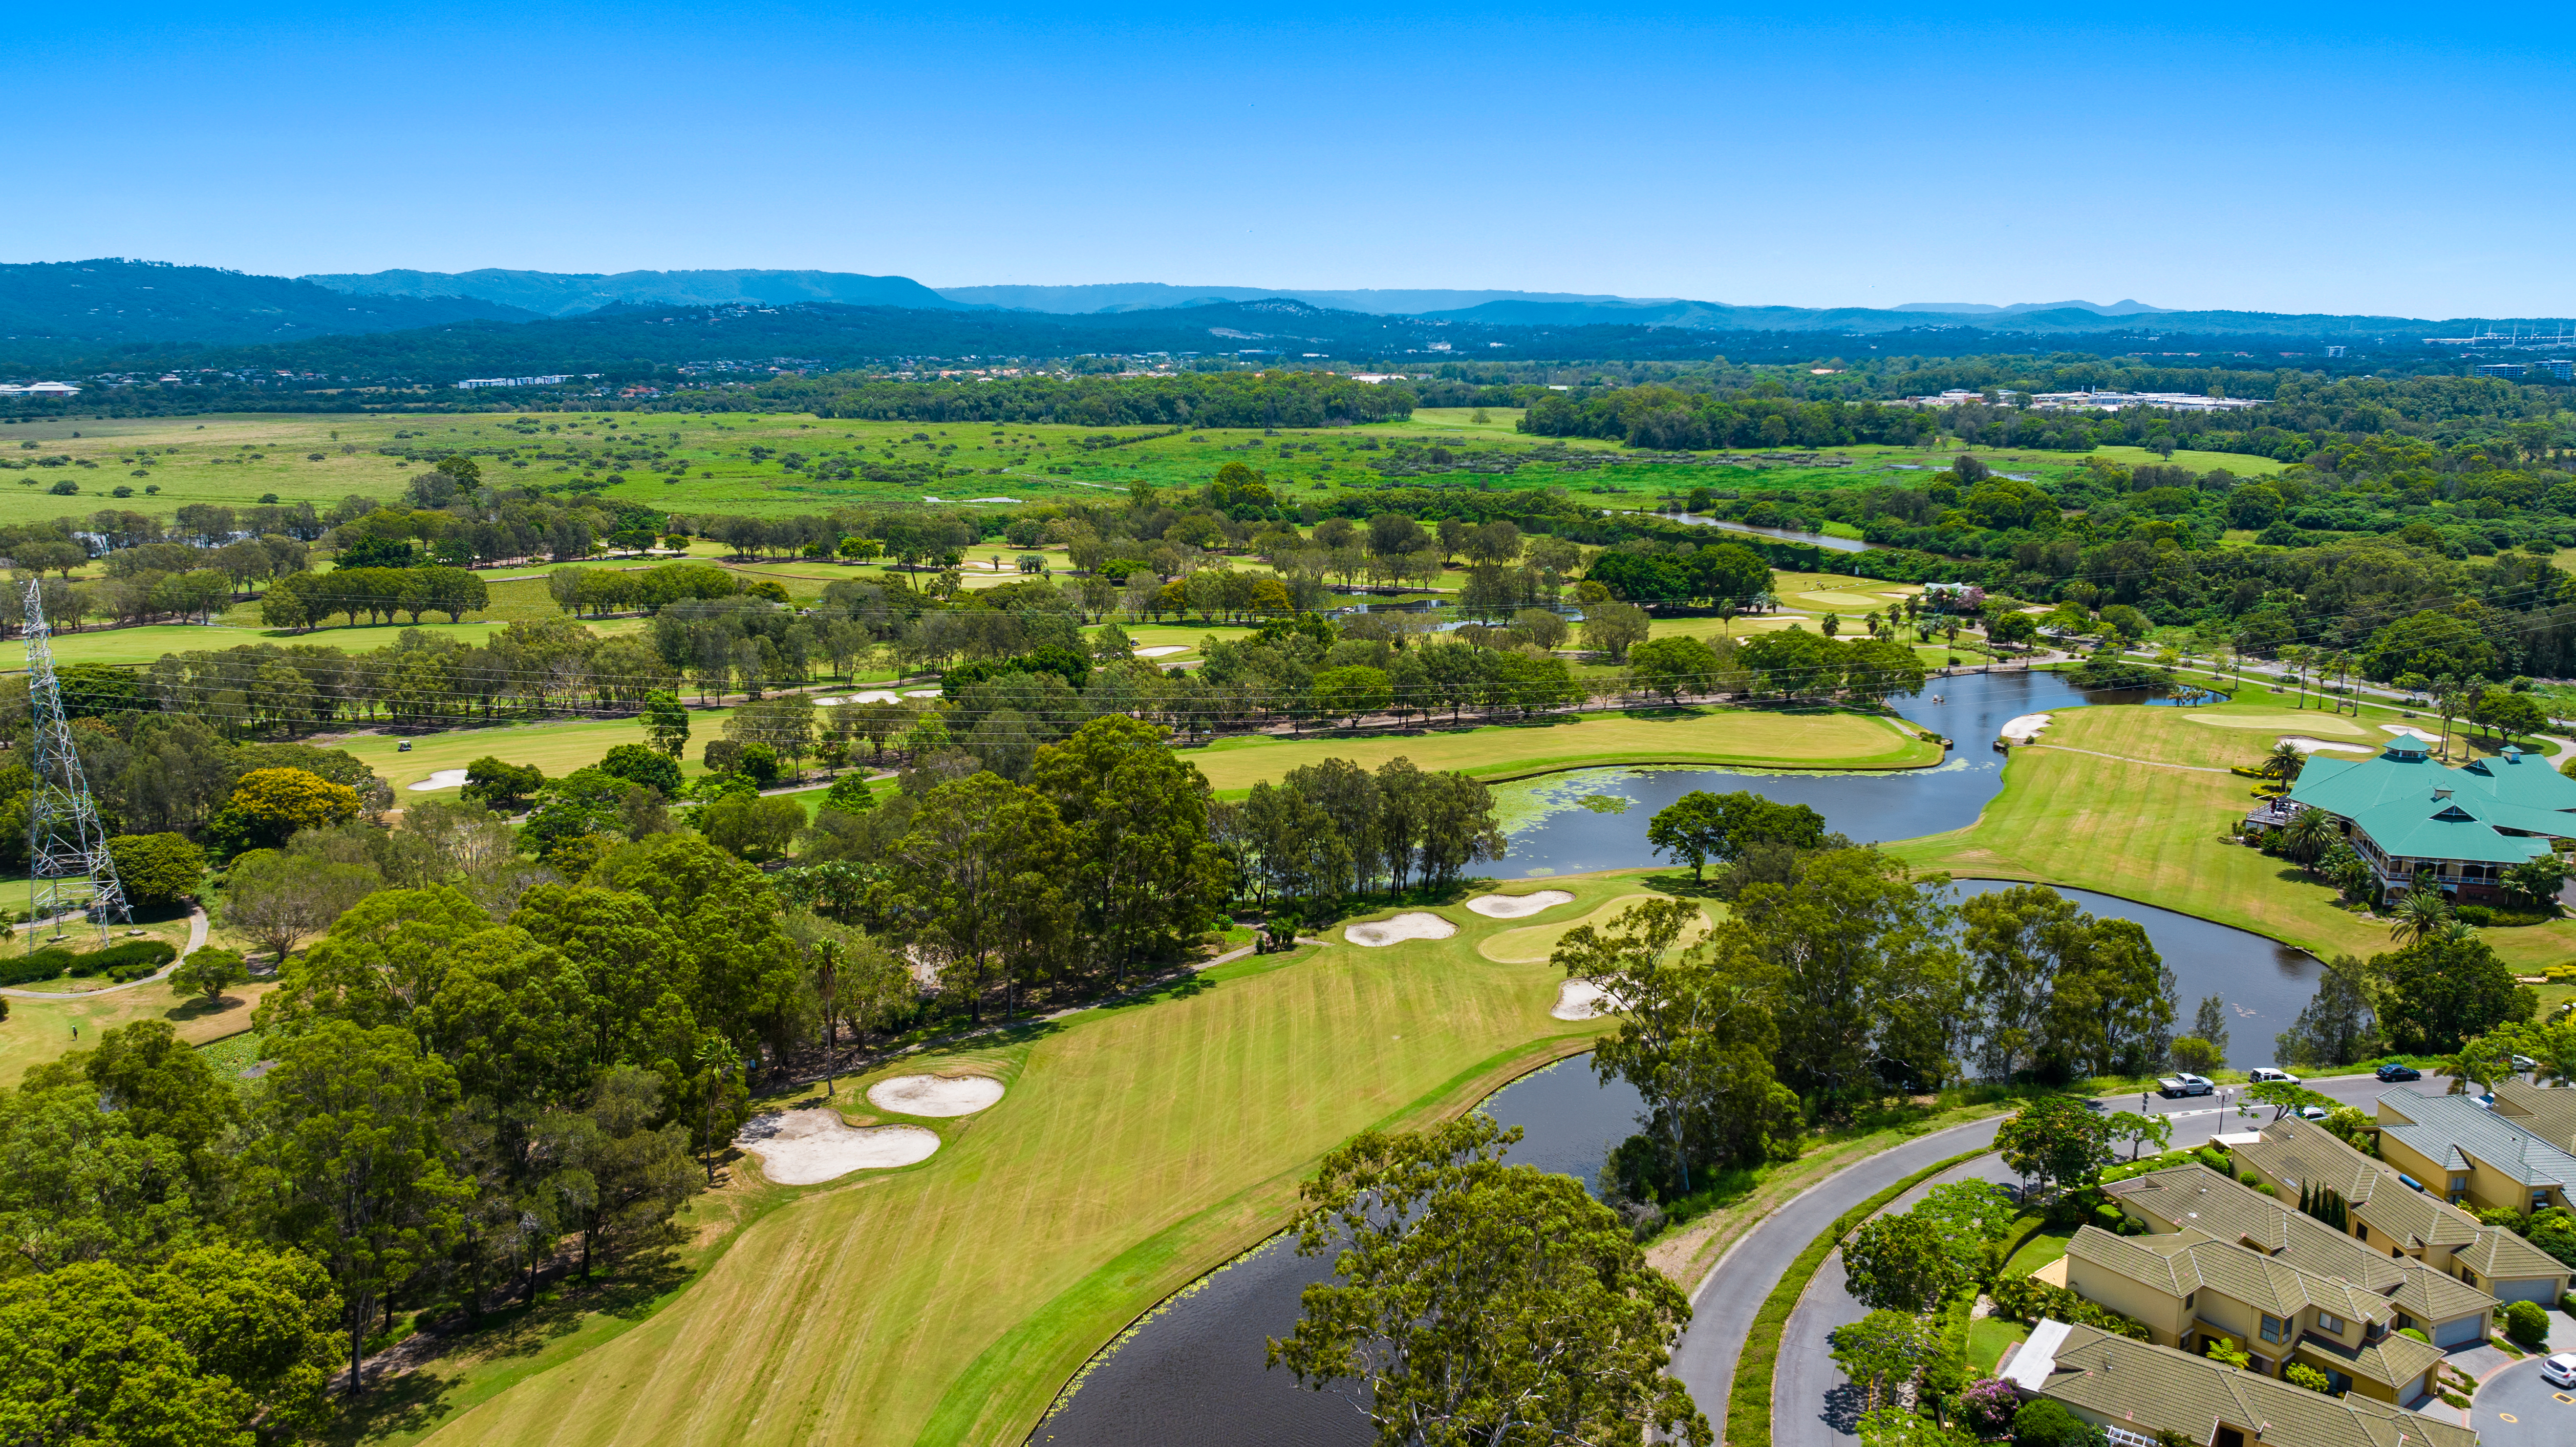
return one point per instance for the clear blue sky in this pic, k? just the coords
(2346, 158)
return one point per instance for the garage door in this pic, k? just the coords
(2458, 1333)
(2536, 1290)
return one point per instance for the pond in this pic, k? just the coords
(1192, 1373)
(1554, 831)
(1826, 541)
(2265, 983)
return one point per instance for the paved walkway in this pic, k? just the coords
(196, 942)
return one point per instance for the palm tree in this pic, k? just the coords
(2284, 762)
(2308, 836)
(2446, 702)
(2420, 916)
(2294, 663)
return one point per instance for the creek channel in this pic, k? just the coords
(1192, 1373)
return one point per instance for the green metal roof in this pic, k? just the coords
(2413, 807)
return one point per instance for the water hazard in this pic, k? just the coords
(1192, 1373)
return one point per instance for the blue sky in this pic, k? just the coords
(2326, 159)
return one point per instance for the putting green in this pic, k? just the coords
(1532, 944)
(2306, 723)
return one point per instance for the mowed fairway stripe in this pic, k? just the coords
(1136, 1147)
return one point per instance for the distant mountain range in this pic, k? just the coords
(558, 294)
(113, 302)
(110, 315)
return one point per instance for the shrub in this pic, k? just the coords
(2300, 1374)
(2415, 1332)
(2476, 914)
(2028, 1299)
(2526, 1324)
(1987, 1407)
(2045, 1423)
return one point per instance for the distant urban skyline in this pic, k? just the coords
(2307, 160)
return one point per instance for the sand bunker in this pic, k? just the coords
(874, 695)
(1413, 926)
(1162, 650)
(807, 1147)
(2307, 745)
(1518, 906)
(935, 1094)
(921, 693)
(1580, 1000)
(2412, 732)
(443, 779)
(2025, 728)
(2303, 719)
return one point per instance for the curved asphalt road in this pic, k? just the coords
(1805, 1406)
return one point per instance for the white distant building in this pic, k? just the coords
(472, 382)
(39, 389)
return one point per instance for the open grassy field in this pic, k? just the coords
(1716, 737)
(1138, 1147)
(41, 1030)
(236, 459)
(2160, 834)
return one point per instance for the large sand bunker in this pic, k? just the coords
(1518, 906)
(2023, 729)
(1414, 926)
(443, 779)
(807, 1147)
(2308, 745)
(1580, 1000)
(1162, 650)
(935, 1094)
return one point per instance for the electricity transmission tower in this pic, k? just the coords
(68, 864)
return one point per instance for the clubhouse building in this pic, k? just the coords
(2419, 825)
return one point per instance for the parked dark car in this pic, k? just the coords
(2399, 1072)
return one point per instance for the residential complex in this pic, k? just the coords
(2197, 1199)
(2419, 825)
(2134, 1390)
(2475, 1157)
(2548, 1114)
(2394, 1212)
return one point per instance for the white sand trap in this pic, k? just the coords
(874, 695)
(2412, 732)
(806, 1147)
(1580, 1000)
(1413, 926)
(921, 693)
(2309, 746)
(2023, 729)
(443, 779)
(1518, 906)
(935, 1094)
(1162, 650)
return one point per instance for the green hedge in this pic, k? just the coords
(1748, 1403)
(131, 960)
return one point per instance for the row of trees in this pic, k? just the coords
(1332, 829)
(1840, 978)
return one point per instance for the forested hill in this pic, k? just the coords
(556, 294)
(109, 309)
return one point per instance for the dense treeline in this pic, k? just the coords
(1212, 399)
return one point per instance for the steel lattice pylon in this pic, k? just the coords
(67, 857)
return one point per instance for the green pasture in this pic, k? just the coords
(235, 459)
(1139, 1146)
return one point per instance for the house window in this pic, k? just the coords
(2329, 1324)
(2271, 1328)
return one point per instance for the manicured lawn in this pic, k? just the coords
(2039, 1250)
(558, 747)
(1717, 737)
(41, 1030)
(2161, 836)
(1987, 1338)
(1138, 1147)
